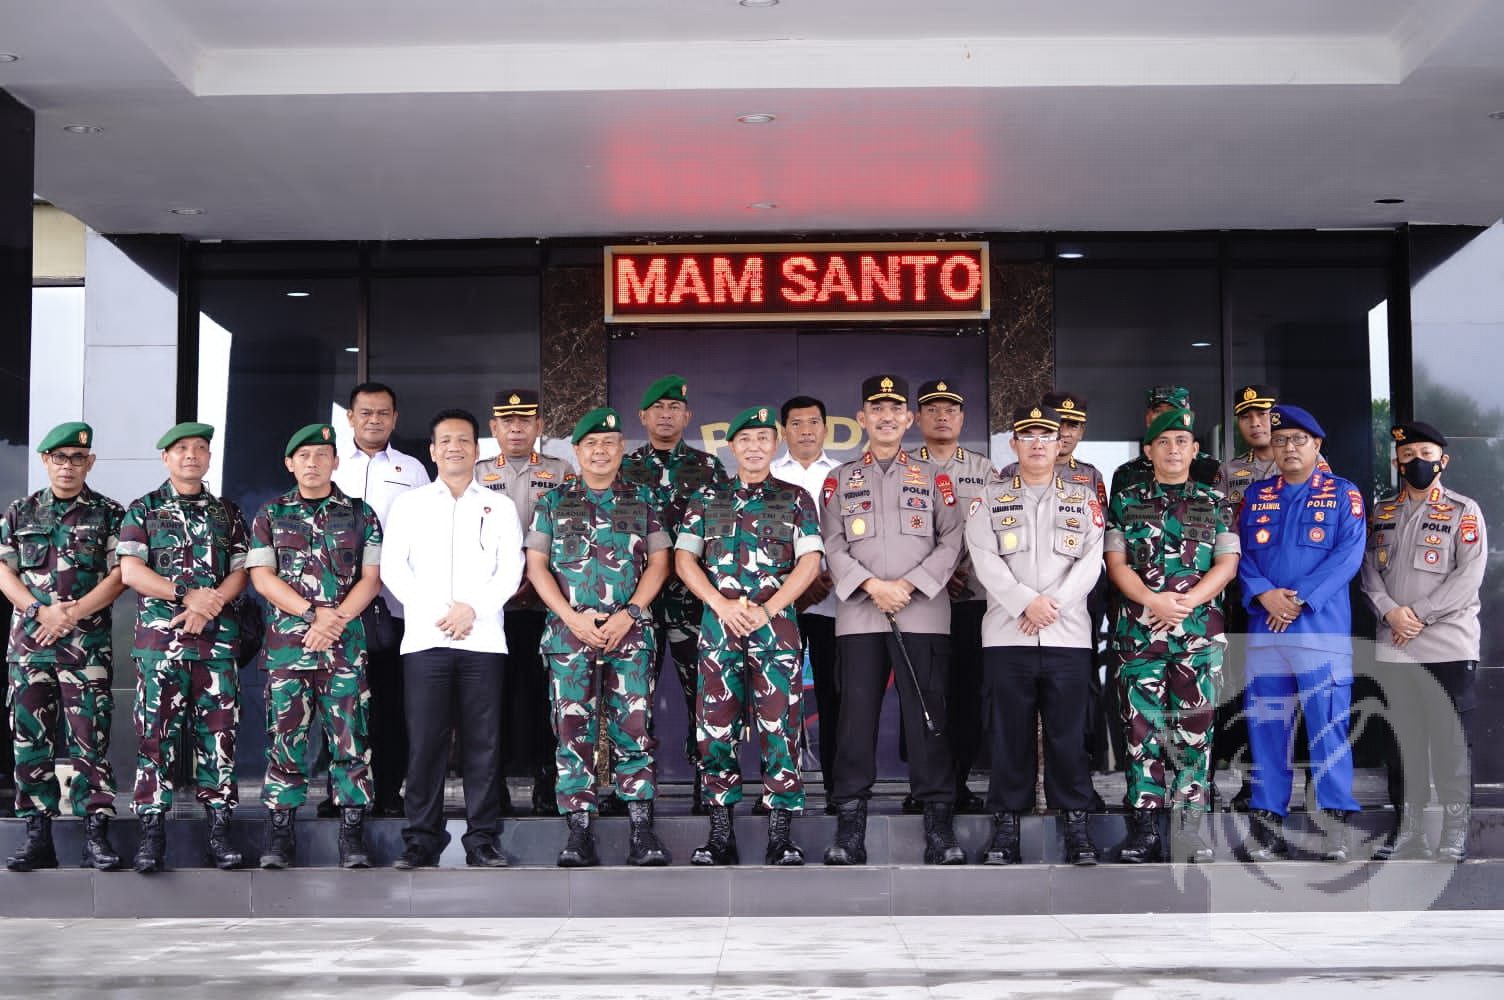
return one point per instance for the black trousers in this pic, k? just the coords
(864, 663)
(819, 635)
(449, 690)
(1429, 710)
(387, 722)
(527, 731)
(1052, 684)
(964, 692)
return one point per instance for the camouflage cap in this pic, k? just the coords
(938, 391)
(75, 433)
(1072, 405)
(1177, 396)
(600, 420)
(515, 403)
(311, 434)
(751, 418)
(1179, 419)
(668, 387)
(187, 429)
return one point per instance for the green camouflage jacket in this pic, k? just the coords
(749, 537)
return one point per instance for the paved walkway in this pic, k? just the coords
(1456, 955)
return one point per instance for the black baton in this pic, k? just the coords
(903, 651)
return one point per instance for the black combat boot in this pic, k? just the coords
(940, 847)
(153, 843)
(1339, 846)
(1266, 837)
(99, 853)
(281, 839)
(1079, 850)
(1143, 845)
(720, 849)
(781, 847)
(221, 846)
(850, 847)
(579, 849)
(1454, 830)
(644, 850)
(1004, 849)
(352, 838)
(37, 851)
(544, 801)
(1186, 843)
(1407, 840)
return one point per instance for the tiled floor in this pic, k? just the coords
(1330, 956)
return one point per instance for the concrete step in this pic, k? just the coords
(683, 891)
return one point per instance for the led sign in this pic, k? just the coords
(796, 282)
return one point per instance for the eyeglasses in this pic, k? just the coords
(1290, 440)
(1037, 438)
(77, 459)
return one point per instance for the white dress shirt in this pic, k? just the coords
(378, 479)
(440, 549)
(811, 479)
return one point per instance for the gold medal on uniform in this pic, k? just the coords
(858, 526)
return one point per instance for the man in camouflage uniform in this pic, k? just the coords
(315, 556)
(596, 555)
(1141, 470)
(1170, 551)
(524, 475)
(1427, 551)
(941, 415)
(759, 539)
(58, 569)
(673, 471)
(182, 550)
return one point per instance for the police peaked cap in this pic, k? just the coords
(1415, 432)
(938, 391)
(75, 433)
(1254, 397)
(309, 434)
(515, 403)
(893, 388)
(1072, 406)
(1285, 416)
(601, 420)
(1036, 416)
(751, 418)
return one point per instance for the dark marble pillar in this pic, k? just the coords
(1020, 338)
(573, 350)
(17, 153)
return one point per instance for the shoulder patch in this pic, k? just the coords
(828, 490)
(947, 491)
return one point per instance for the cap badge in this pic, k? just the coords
(1069, 404)
(1250, 393)
(1185, 418)
(1399, 433)
(83, 437)
(1274, 418)
(324, 433)
(762, 414)
(887, 384)
(1035, 412)
(610, 420)
(941, 386)
(514, 399)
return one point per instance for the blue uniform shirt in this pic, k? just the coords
(1308, 538)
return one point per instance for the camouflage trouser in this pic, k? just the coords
(1168, 704)
(168, 693)
(575, 683)
(341, 697)
(770, 662)
(677, 613)
(37, 693)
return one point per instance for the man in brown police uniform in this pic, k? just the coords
(524, 475)
(893, 536)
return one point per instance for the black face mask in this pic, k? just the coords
(1420, 472)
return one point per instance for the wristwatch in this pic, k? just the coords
(633, 612)
(31, 611)
(179, 591)
(1300, 602)
(310, 614)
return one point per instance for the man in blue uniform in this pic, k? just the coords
(1303, 535)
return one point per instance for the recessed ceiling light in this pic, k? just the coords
(186, 211)
(763, 204)
(1201, 343)
(1070, 255)
(352, 350)
(757, 118)
(9, 57)
(1497, 116)
(758, 3)
(83, 129)
(298, 295)
(1389, 201)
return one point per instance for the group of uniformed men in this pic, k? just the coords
(394, 602)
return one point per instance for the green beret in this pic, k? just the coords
(75, 432)
(750, 418)
(1171, 420)
(600, 420)
(668, 387)
(312, 434)
(189, 429)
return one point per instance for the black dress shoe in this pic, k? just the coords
(485, 856)
(912, 806)
(414, 856)
(830, 807)
(393, 807)
(969, 803)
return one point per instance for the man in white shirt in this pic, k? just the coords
(453, 557)
(376, 472)
(806, 465)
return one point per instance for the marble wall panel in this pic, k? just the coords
(1020, 338)
(574, 347)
